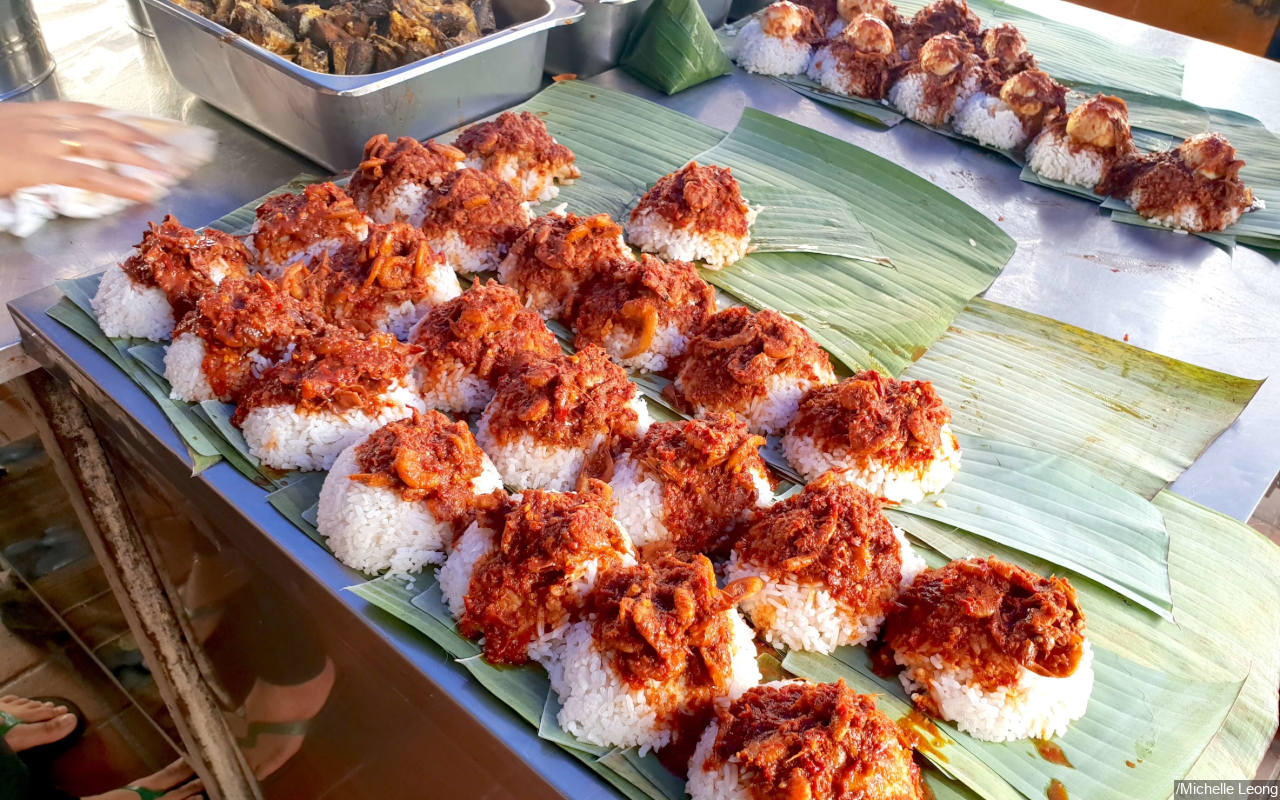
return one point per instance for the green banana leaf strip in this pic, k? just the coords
(523, 689)
(624, 785)
(617, 761)
(669, 786)
(1075, 55)
(229, 453)
(1028, 176)
(297, 500)
(865, 314)
(1058, 510)
(1228, 604)
(673, 47)
(797, 219)
(943, 752)
(1135, 417)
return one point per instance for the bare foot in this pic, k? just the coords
(30, 710)
(271, 704)
(33, 734)
(170, 778)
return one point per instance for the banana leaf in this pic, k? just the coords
(1228, 602)
(1076, 55)
(795, 216)
(297, 501)
(1058, 510)
(865, 314)
(673, 47)
(1137, 418)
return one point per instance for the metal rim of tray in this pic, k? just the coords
(559, 12)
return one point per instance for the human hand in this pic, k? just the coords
(43, 138)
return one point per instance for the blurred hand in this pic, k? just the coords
(41, 138)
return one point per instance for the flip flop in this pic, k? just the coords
(147, 794)
(46, 751)
(256, 729)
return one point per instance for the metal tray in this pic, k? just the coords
(595, 44)
(328, 118)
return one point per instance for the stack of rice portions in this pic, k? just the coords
(1080, 148)
(831, 565)
(891, 438)
(557, 254)
(518, 149)
(860, 61)
(779, 40)
(334, 389)
(299, 228)
(994, 648)
(696, 213)
(473, 218)
(163, 278)
(659, 642)
(788, 739)
(385, 283)
(641, 311)
(521, 573)
(546, 418)
(475, 341)
(394, 182)
(944, 74)
(234, 333)
(690, 484)
(754, 364)
(394, 500)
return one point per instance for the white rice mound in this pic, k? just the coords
(763, 54)
(669, 342)
(184, 369)
(1186, 216)
(827, 70)
(598, 707)
(652, 233)
(807, 616)
(373, 529)
(903, 485)
(535, 183)
(407, 203)
(475, 543)
(1035, 707)
(454, 389)
(1050, 156)
(282, 437)
(907, 95)
(991, 121)
(442, 285)
(525, 463)
(127, 310)
(546, 303)
(638, 498)
(273, 269)
(725, 783)
(772, 412)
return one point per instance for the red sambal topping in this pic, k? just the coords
(425, 458)
(663, 620)
(338, 371)
(386, 166)
(485, 329)
(557, 253)
(831, 534)
(355, 286)
(239, 316)
(990, 617)
(565, 400)
(523, 136)
(1035, 97)
(637, 296)
(709, 470)
(942, 16)
(874, 417)
(730, 360)
(483, 210)
(523, 587)
(181, 263)
(824, 12)
(290, 223)
(805, 740)
(703, 198)
(1166, 180)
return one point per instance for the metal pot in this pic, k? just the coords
(24, 59)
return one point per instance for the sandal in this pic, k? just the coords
(47, 751)
(147, 794)
(256, 729)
